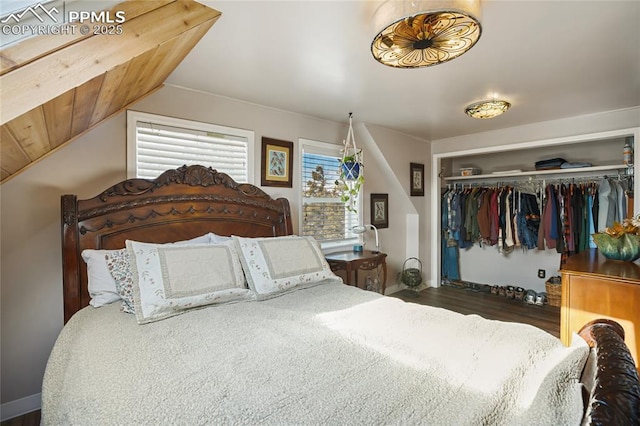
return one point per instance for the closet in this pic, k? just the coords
(510, 171)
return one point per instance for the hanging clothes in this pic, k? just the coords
(560, 216)
(564, 223)
(528, 218)
(592, 210)
(584, 230)
(621, 208)
(549, 238)
(449, 247)
(484, 215)
(502, 217)
(576, 203)
(568, 218)
(608, 199)
(494, 217)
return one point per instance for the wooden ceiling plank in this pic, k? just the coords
(33, 48)
(13, 157)
(5, 178)
(58, 114)
(85, 101)
(30, 131)
(108, 90)
(170, 61)
(183, 46)
(127, 85)
(145, 80)
(48, 77)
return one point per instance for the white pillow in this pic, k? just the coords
(275, 265)
(101, 285)
(215, 238)
(170, 279)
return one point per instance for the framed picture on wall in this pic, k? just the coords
(380, 210)
(417, 179)
(277, 163)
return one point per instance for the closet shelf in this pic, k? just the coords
(533, 173)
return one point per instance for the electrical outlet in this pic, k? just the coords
(541, 273)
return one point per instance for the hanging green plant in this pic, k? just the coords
(351, 177)
(350, 167)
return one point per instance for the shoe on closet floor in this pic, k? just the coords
(519, 293)
(541, 299)
(511, 292)
(530, 297)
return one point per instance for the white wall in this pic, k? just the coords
(31, 281)
(31, 275)
(484, 265)
(398, 151)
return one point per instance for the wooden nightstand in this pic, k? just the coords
(352, 261)
(594, 287)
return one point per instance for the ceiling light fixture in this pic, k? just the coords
(487, 109)
(425, 33)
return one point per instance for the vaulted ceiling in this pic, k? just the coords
(54, 88)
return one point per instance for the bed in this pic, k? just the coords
(248, 325)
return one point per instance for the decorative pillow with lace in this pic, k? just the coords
(276, 265)
(171, 279)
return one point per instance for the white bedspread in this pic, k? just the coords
(325, 355)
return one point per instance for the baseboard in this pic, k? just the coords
(21, 406)
(392, 289)
(398, 287)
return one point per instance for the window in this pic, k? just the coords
(156, 143)
(323, 215)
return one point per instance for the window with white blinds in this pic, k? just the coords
(157, 143)
(323, 215)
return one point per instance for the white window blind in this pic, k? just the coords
(323, 215)
(161, 143)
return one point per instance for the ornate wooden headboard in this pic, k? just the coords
(180, 204)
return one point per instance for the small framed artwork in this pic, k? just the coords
(417, 179)
(277, 163)
(380, 210)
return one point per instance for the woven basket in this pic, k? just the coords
(554, 291)
(411, 277)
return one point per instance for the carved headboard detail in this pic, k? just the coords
(180, 204)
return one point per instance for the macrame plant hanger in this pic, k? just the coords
(351, 158)
(351, 170)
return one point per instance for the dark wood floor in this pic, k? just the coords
(29, 419)
(467, 301)
(464, 301)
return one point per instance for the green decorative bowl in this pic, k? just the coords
(625, 247)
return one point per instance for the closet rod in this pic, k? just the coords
(499, 181)
(533, 173)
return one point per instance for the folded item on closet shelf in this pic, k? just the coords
(568, 165)
(505, 172)
(552, 163)
(469, 171)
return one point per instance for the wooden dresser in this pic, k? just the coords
(594, 287)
